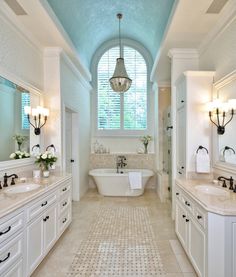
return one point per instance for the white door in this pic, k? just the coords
(196, 247)
(181, 226)
(68, 146)
(50, 228)
(34, 243)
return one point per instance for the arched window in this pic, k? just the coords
(122, 112)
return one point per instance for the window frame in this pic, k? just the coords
(94, 105)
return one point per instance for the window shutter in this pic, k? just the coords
(25, 101)
(135, 99)
(108, 100)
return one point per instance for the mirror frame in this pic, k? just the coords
(34, 92)
(217, 164)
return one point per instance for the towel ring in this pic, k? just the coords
(36, 145)
(51, 146)
(228, 148)
(201, 147)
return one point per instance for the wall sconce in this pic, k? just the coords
(38, 114)
(218, 113)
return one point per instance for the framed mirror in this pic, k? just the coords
(224, 146)
(16, 134)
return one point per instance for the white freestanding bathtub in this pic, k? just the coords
(110, 183)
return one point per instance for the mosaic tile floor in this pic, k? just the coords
(138, 224)
(121, 242)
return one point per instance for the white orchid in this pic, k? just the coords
(19, 155)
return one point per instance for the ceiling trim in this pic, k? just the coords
(227, 17)
(183, 53)
(153, 70)
(84, 71)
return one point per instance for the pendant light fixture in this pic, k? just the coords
(120, 82)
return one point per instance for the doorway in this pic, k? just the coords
(71, 150)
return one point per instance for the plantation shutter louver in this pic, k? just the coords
(25, 101)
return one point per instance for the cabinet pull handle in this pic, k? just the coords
(7, 257)
(177, 193)
(64, 220)
(187, 220)
(183, 216)
(46, 218)
(182, 101)
(44, 204)
(64, 204)
(186, 203)
(180, 172)
(199, 217)
(64, 189)
(182, 167)
(4, 232)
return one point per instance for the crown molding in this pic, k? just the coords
(183, 53)
(227, 17)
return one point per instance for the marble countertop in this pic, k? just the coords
(223, 204)
(11, 202)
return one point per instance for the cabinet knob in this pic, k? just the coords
(177, 193)
(187, 220)
(64, 204)
(199, 217)
(46, 218)
(64, 189)
(72, 160)
(183, 216)
(182, 101)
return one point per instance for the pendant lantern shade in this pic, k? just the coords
(120, 82)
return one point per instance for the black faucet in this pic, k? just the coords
(120, 163)
(5, 178)
(231, 182)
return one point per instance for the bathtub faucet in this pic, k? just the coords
(120, 163)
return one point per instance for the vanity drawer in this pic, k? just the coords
(65, 188)
(10, 252)
(64, 220)
(187, 203)
(40, 206)
(10, 227)
(15, 270)
(200, 216)
(64, 203)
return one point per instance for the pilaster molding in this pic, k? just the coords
(58, 52)
(183, 53)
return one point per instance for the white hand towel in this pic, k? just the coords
(135, 180)
(230, 158)
(202, 162)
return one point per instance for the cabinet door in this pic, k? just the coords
(15, 271)
(197, 247)
(34, 243)
(181, 226)
(181, 141)
(50, 228)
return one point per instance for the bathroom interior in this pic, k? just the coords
(117, 153)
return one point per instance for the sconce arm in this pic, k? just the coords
(232, 115)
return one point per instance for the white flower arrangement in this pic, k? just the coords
(146, 139)
(45, 160)
(19, 155)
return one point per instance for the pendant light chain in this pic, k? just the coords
(119, 16)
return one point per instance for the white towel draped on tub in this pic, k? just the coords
(202, 162)
(135, 180)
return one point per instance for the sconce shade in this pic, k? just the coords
(37, 114)
(120, 82)
(220, 110)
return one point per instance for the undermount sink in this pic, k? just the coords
(22, 188)
(211, 190)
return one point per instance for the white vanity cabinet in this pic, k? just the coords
(208, 238)
(28, 233)
(190, 230)
(41, 235)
